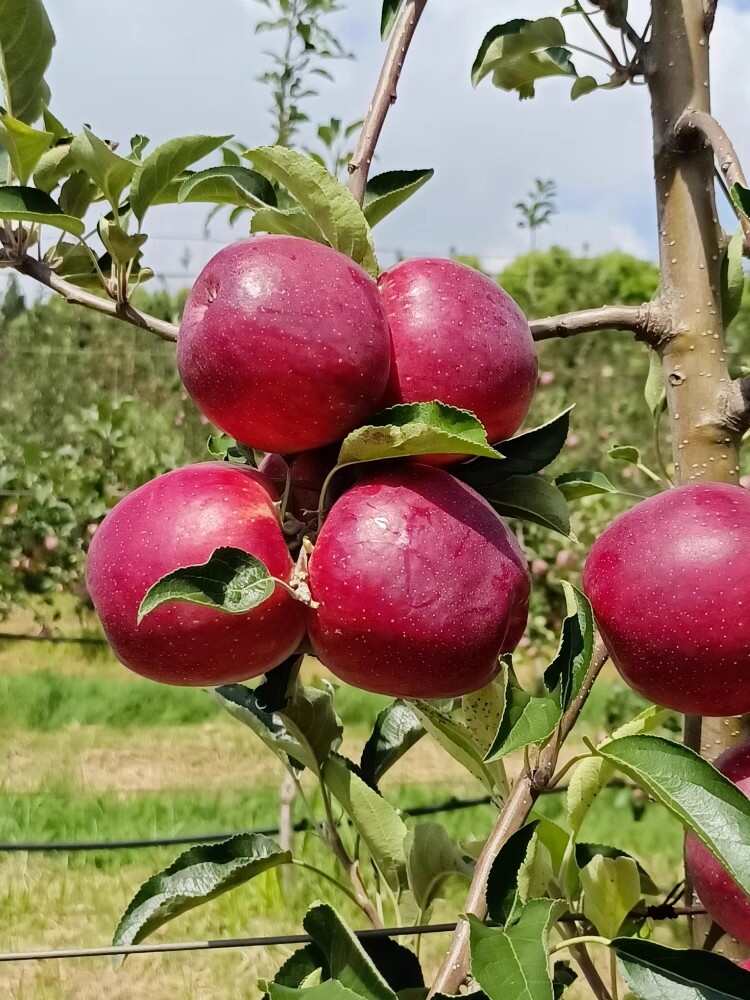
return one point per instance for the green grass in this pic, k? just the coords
(45, 701)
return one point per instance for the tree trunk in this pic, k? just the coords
(705, 446)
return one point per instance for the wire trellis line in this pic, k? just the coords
(449, 805)
(218, 944)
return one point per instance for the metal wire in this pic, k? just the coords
(449, 805)
(219, 944)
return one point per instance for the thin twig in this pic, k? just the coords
(645, 321)
(728, 161)
(513, 815)
(613, 61)
(384, 96)
(613, 11)
(42, 273)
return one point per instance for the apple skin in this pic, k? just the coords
(669, 582)
(420, 586)
(725, 901)
(284, 343)
(459, 338)
(176, 520)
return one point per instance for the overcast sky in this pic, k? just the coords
(174, 67)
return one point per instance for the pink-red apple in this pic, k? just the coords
(725, 901)
(284, 343)
(669, 582)
(458, 337)
(178, 520)
(420, 586)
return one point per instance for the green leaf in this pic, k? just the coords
(346, 958)
(198, 875)
(377, 822)
(24, 144)
(228, 185)
(483, 712)
(165, 163)
(530, 498)
(654, 391)
(75, 263)
(26, 43)
(520, 52)
(332, 206)
(511, 963)
(385, 192)
(655, 972)
(398, 965)
(456, 739)
(417, 429)
(584, 853)
(388, 16)
(397, 728)
(286, 222)
(76, 194)
(732, 278)
(612, 887)
(582, 86)
(524, 454)
(584, 483)
(526, 720)
(586, 780)
(110, 172)
(306, 730)
(52, 167)
(25, 204)
(591, 774)
(703, 799)
(55, 126)
(431, 858)
(121, 246)
(331, 989)
(299, 966)
(631, 455)
(502, 884)
(571, 663)
(741, 198)
(230, 580)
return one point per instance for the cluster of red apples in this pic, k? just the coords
(417, 586)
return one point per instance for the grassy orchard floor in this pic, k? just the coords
(91, 752)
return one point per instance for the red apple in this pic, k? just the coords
(669, 582)
(420, 586)
(726, 903)
(458, 337)
(284, 343)
(178, 520)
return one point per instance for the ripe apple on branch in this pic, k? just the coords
(378, 448)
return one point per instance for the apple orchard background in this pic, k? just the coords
(89, 410)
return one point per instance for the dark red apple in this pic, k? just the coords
(284, 343)
(669, 582)
(420, 586)
(726, 903)
(178, 520)
(458, 337)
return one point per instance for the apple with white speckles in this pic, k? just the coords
(178, 520)
(669, 582)
(458, 338)
(284, 343)
(725, 901)
(420, 586)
